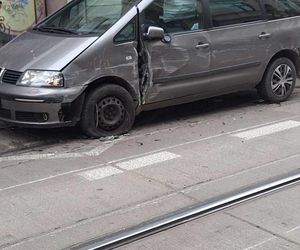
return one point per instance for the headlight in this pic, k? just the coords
(39, 78)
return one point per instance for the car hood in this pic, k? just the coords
(36, 50)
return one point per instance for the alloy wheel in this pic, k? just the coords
(282, 80)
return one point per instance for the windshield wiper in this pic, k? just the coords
(55, 30)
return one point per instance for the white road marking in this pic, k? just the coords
(151, 152)
(100, 173)
(48, 178)
(199, 140)
(293, 229)
(261, 243)
(95, 152)
(267, 130)
(99, 150)
(147, 160)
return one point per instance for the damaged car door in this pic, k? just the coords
(178, 61)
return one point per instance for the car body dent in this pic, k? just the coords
(159, 73)
(104, 58)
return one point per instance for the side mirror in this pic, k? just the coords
(155, 33)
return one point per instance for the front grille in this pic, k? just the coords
(31, 116)
(5, 113)
(11, 76)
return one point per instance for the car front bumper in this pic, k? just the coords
(40, 107)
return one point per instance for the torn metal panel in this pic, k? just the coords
(196, 61)
(174, 65)
(105, 59)
(146, 72)
(82, 61)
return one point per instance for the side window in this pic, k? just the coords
(174, 15)
(127, 34)
(277, 9)
(229, 12)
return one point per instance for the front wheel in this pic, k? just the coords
(108, 110)
(279, 81)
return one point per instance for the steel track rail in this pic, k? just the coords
(155, 226)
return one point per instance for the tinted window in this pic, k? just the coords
(127, 34)
(276, 9)
(228, 12)
(174, 15)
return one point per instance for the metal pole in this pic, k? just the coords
(35, 11)
(46, 7)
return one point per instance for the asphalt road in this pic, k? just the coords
(63, 189)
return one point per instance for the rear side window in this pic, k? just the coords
(230, 12)
(276, 9)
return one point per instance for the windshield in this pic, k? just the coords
(84, 17)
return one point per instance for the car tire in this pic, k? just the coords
(108, 110)
(279, 81)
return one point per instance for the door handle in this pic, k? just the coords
(202, 46)
(264, 35)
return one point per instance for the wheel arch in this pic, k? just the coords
(290, 54)
(113, 80)
(102, 87)
(264, 87)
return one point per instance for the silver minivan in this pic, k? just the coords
(99, 63)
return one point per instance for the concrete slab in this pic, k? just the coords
(67, 208)
(6, 181)
(270, 222)
(220, 157)
(28, 171)
(197, 131)
(213, 232)
(244, 179)
(278, 213)
(114, 221)
(13, 138)
(66, 201)
(274, 243)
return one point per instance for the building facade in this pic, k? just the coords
(16, 16)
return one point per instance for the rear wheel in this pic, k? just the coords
(108, 110)
(279, 81)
